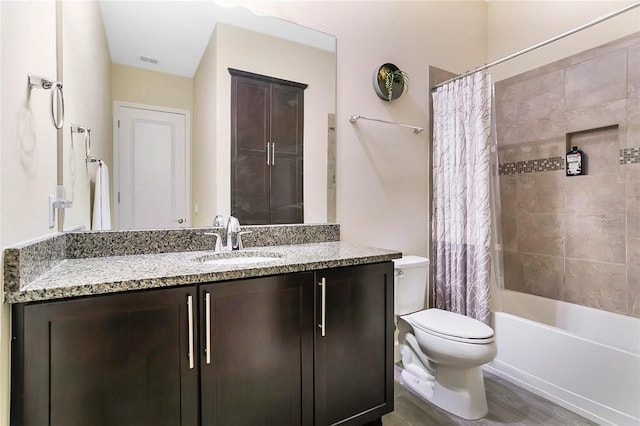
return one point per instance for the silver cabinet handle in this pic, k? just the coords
(207, 327)
(190, 315)
(179, 220)
(268, 154)
(273, 154)
(323, 309)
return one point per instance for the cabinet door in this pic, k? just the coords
(257, 351)
(250, 180)
(354, 350)
(287, 118)
(107, 360)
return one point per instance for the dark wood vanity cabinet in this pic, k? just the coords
(256, 351)
(242, 352)
(354, 349)
(117, 359)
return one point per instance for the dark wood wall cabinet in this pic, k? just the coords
(310, 348)
(267, 123)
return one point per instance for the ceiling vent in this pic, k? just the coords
(148, 59)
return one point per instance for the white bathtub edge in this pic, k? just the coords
(585, 407)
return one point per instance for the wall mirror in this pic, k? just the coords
(176, 55)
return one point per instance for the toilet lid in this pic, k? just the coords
(452, 326)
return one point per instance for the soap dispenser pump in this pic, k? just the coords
(575, 162)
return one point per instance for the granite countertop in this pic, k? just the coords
(99, 275)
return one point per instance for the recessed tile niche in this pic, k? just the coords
(577, 238)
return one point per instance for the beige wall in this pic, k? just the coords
(203, 153)
(28, 154)
(87, 89)
(515, 25)
(142, 86)
(29, 148)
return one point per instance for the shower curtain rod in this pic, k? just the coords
(538, 45)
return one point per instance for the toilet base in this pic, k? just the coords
(459, 391)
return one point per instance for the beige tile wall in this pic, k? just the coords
(575, 239)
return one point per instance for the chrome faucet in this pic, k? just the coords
(233, 227)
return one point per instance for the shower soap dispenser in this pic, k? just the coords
(575, 162)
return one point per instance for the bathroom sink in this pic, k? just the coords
(238, 258)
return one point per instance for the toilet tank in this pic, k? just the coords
(410, 284)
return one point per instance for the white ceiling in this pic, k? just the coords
(176, 33)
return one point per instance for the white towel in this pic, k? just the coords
(101, 207)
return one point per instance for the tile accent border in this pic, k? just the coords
(630, 156)
(532, 166)
(627, 156)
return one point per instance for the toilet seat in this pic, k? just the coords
(452, 326)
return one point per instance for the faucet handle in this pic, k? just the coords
(218, 221)
(240, 246)
(218, 243)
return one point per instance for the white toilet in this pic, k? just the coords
(442, 352)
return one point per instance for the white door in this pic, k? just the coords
(152, 185)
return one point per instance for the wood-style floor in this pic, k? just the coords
(508, 405)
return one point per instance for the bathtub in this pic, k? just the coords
(583, 359)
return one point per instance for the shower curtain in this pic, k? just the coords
(461, 230)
